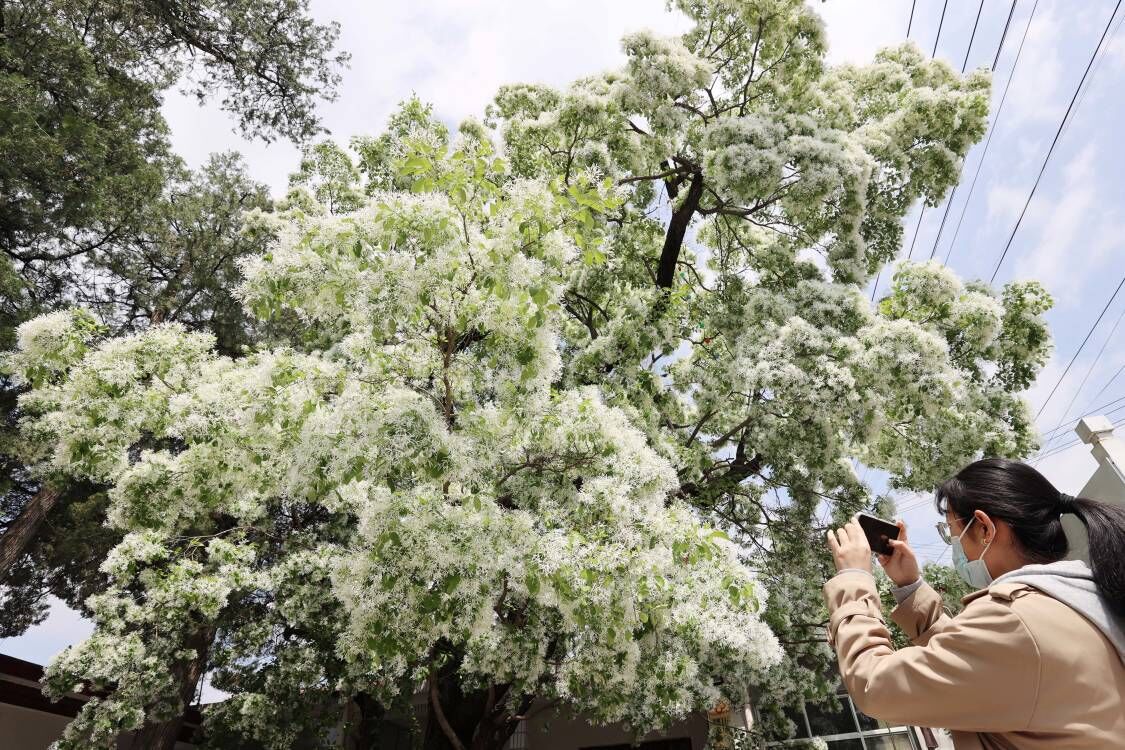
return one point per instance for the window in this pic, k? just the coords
(823, 721)
(847, 728)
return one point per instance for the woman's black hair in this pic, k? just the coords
(1019, 495)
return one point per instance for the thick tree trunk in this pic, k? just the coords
(477, 720)
(162, 735)
(24, 529)
(362, 719)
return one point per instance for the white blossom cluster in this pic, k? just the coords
(514, 396)
(762, 371)
(462, 497)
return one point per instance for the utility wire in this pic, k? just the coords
(1094, 72)
(917, 226)
(1061, 449)
(972, 36)
(1108, 384)
(1081, 346)
(922, 212)
(1072, 443)
(910, 23)
(1085, 413)
(964, 64)
(1086, 377)
(1067, 446)
(1054, 142)
(992, 130)
(939, 25)
(1004, 34)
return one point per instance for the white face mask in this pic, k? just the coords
(974, 572)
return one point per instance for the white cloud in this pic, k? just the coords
(1073, 224)
(1036, 88)
(1004, 202)
(451, 53)
(1070, 469)
(854, 35)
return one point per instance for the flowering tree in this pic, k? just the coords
(518, 392)
(416, 500)
(733, 319)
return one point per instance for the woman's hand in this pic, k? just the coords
(901, 565)
(849, 547)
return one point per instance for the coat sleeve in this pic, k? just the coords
(978, 671)
(921, 615)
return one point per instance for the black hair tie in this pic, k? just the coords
(1066, 502)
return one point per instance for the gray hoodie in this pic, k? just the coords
(1072, 583)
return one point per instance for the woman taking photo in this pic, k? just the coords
(1036, 659)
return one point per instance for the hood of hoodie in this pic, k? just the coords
(1072, 583)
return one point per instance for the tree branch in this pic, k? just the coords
(677, 230)
(439, 714)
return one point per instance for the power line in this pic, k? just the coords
(972, 36)
(922, 212)
(1094, 72)
(1083, 344)
(939, 25)
(1089, 371)
(964, 64)
(1061, 449)
(1045, 453)
(1004, 33)
(992, 130)
(1073, 442)
(917, 226)
(1054, 142)
(1108, 383)
(1067, 446)
(1085, 413)
(944, 216)
(911, 21)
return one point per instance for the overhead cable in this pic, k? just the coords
(991, 130)
(1054, 142)
(1089, 371)
(965, 64)
(1081, 346)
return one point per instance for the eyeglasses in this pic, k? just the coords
(944, 531)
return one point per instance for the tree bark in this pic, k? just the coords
(18, 537)
(677, 230)
(162, 735)
(476, 720)
(363, 716)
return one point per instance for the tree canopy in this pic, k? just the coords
(85, 146)
(556, 419)
(96, 211)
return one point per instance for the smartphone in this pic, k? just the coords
(878, 532)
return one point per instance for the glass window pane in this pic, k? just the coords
(855, 744)
(794, 715)
(866, 722)
(823, 720)
(897, 741)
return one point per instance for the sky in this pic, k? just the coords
(455, 54)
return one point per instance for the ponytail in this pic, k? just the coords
(1105, 528)
(1023, 498)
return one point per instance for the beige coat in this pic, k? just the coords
(1015, 669)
